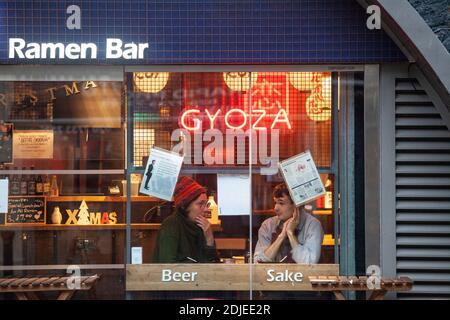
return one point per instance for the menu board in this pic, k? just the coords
(26, 209)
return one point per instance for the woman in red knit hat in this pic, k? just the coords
(186, 235)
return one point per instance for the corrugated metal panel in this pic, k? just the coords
(407, 86)
(423, 157)
(406, 122)
(422, 169)
(416, 241)
(423, 181)
(429, 277)
(423, 253)
(420, 205)
(423, 229)
(419, 145)
(430, 288)
(423, 265)
(406, 98)
(423, 217)
(417, 110)
(421, 133)
(422, 193)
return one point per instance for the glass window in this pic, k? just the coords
(232, 128)
(65, 163)
(76, 152)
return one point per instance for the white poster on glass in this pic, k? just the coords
(233, 194)
(136, 255)
(302, 178)
(161, 173)
(3, 195)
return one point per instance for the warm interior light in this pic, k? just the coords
(317, 109)
(239, 81)
(318, 104)
(164, 111)
(150, 82)
(326, 88)
(143, 140)
(302, 81)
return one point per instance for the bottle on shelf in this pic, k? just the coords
(15, 184)
(23, 184)
(39, 185)
(2, 168)
(328, 199)
(214, 209)
(49, 111)
(54, 192)
(46, 185)
(31, 183)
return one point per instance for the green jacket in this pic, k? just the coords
(180, 238)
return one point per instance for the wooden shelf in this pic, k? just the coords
(101, 199)
(323, 212)
(71, 227)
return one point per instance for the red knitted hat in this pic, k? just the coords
(186, 190)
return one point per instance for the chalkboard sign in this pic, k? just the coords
(26, 209)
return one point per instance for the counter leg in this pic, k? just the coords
(377, 295)
(339, 295)
(66, 295)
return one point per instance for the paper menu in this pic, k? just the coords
(302, 178)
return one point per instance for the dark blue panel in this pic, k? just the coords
(205, 31)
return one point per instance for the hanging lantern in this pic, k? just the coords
(318, 110)
(302, 81)
(318, 104)
(150, 82)
(239, 81)
(326, 87)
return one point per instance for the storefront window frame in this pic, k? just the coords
(59, 73)
(336, 132)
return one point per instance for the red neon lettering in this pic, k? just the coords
(195, 117)
(211, 119)
(243, 115)
(263, 113)
(286, 120)
(197, 123)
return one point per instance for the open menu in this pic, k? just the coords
(302, 178)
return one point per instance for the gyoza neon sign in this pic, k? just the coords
(195, 116)
(269, 101)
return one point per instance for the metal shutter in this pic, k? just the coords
(422, 156)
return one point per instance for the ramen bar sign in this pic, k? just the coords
(115, 48)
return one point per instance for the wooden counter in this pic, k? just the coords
(224, 277)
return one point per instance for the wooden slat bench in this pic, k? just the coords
(26, 288)
(337, 284)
